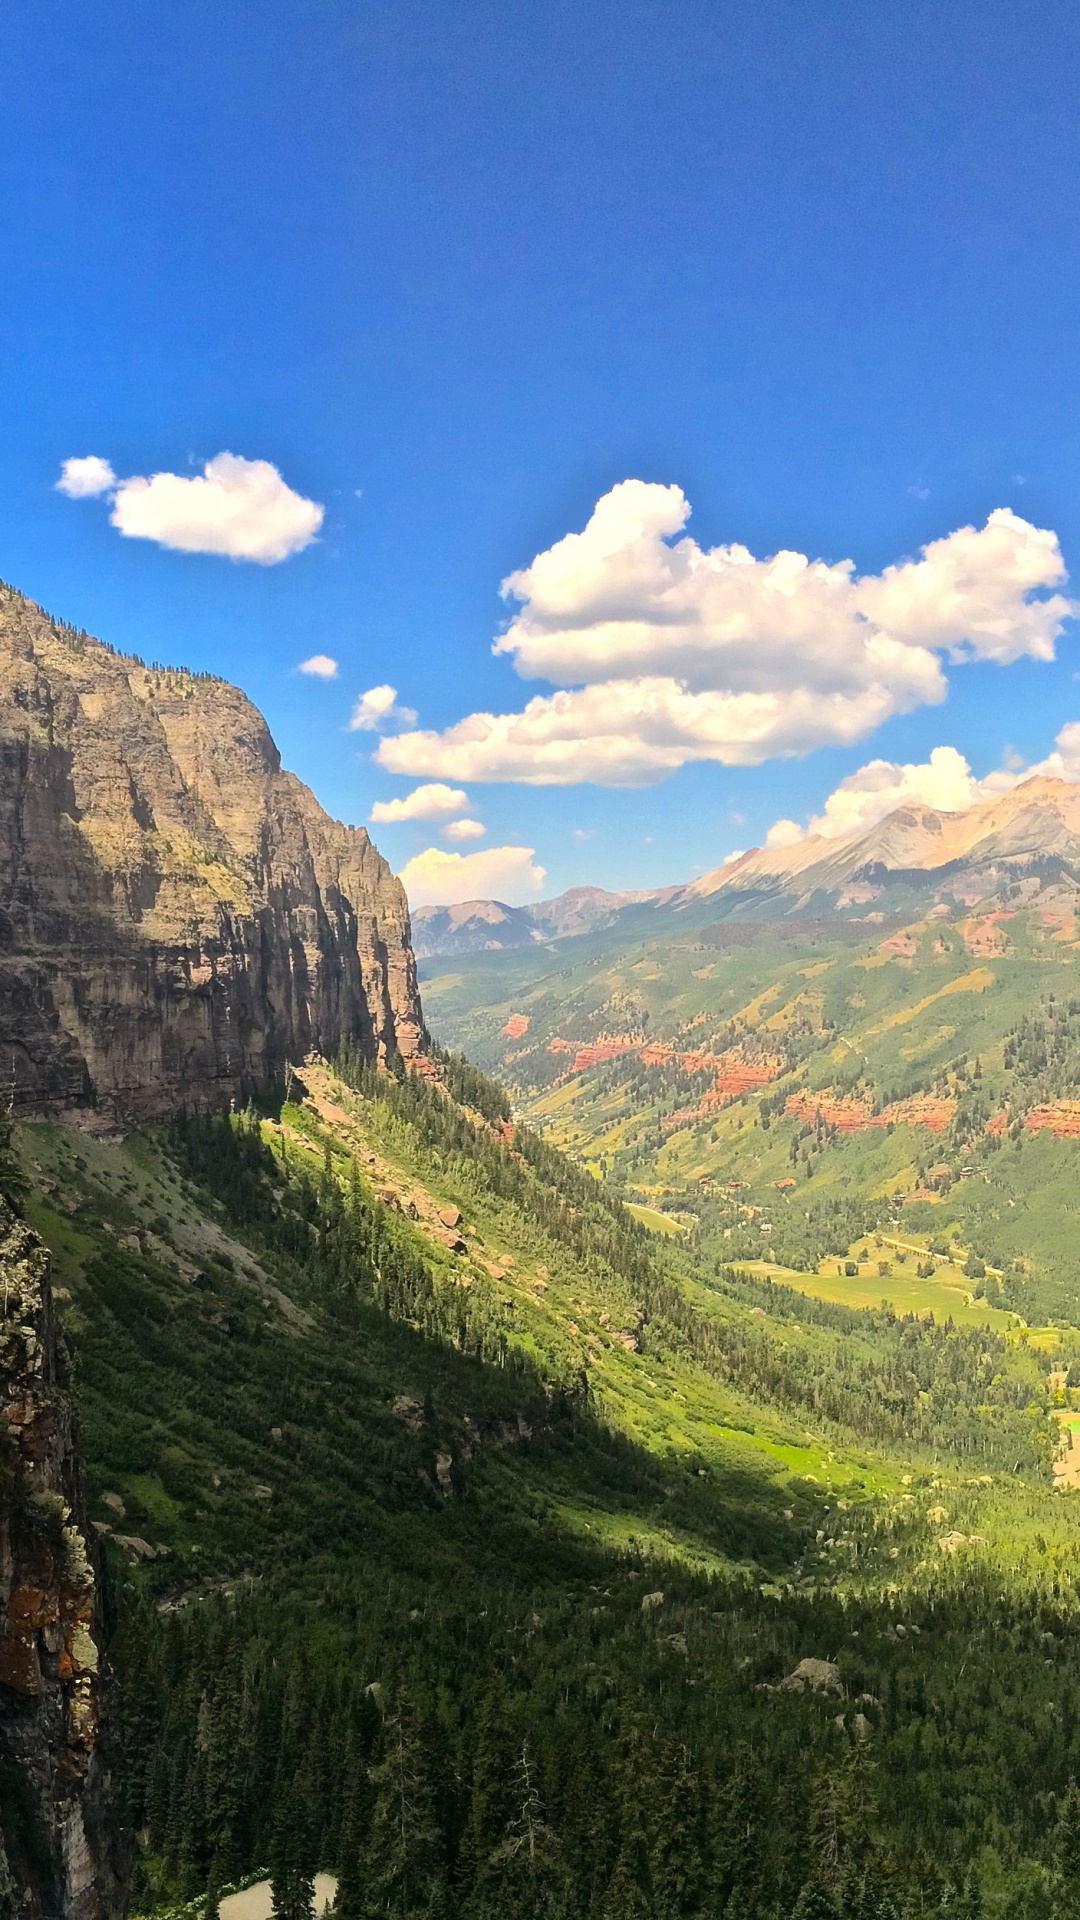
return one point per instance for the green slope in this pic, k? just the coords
(540, 1493)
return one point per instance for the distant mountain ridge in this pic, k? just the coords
(1037, 820)
(478, 926)
(917, 848)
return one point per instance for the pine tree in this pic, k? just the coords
(191, 1849)
(403, 1863)
(222, 1792)
(349, 1901)
(840, 1813)
(13, 1182)
(738, 1838)
(969, 1903)
(490, 1798)
(814, 1903)
(627, 1896)
(678, 1866)
(212, 1896)
(532, 1881)
(1066, 1853)
(291, 1880)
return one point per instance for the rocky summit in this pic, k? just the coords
(179, 917)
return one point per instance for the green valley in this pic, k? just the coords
(782, 1090)
(440, 1495)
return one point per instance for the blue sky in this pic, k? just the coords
(456, 272)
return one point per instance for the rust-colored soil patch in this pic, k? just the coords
(983, 937)
(931, 1111)
(1059, 1117)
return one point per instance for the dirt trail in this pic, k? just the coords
(257, 1902)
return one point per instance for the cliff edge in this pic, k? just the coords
(178, 915)
(61, 1857)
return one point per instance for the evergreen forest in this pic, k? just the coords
(476, 1544)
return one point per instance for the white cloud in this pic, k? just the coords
(666, 652)
(83, 479)
(970, 594)
(784, 833)
(321, 666)
(623, 733)
(378, 708)
(464, 830)
(236, 507)
(436, 878)
(423, 803)
(944, 781)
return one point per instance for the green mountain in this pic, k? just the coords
(443, 1502)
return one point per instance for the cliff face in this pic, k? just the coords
(60, 1855)
(178, 916)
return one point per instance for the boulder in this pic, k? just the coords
(814, 1676)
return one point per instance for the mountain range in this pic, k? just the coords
(913, 851)
(484, 926)
(963, 855)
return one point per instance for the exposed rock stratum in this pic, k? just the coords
(178, 915)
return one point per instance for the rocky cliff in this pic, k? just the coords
(60, 1854)
(178, 916)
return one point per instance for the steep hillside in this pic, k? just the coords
(442, 1498)
(178, 916)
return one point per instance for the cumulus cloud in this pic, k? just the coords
(436, 878)
(378, 708)
(429, 802)
(784, 833)
(236, 507)
(464, 830)
(625, 733)
(83, 479)
(944, 781)
(665, 652)
(320, 666)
